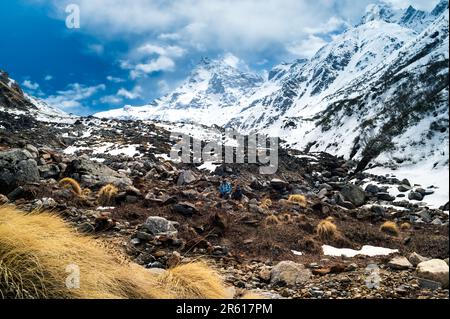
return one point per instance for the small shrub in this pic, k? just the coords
(107, 194)
(326, 229)
(405, 226)
(298, 199)
(71, 184)
(266, 203)
(271, 220)
(390, 228)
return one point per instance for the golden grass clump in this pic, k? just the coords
(71, 184)
(326, 229)
(39, 253)
(271, 220)
(107, 194)
(266, 203)
(299, 200)
(390, 228)
(405, 226)
(194, 280)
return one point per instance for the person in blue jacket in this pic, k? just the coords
(225, 189)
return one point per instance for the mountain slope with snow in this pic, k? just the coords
(378, 92)
(210, 95)
(14, 101)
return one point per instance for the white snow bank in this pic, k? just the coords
(370, 251)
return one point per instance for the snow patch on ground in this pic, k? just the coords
(370, 251)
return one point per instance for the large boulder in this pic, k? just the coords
(435, 270)
(416, 259)
(400, 263)
(354, 194)
(49, 171)
(17, 167)
(289, 273)
(93, 174)
(160, 226)
(186, 177)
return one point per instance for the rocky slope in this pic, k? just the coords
(165, 213)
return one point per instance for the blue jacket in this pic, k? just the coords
(225, 188)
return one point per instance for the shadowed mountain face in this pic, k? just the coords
(11, 95)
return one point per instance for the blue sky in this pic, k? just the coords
(131, 52)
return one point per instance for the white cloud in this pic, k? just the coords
(96, 49)
(169, 51)
(73, 96)
(306, 48)
(48, 77)
(114, 79)
(131, 95)
(30, 85)
(162, 63)
(111, 99)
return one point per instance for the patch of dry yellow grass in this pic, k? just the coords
(71, 184)
(39, 252)
(266, 203)
(107, 194)
(326, 229)
(271, 220)
(390, 228)
(405, 226)
(299, 200)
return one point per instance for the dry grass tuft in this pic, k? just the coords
(271, 220)
(194, 280)
(390, 228)
(298, 199)
(266, 203)
(326, 229)
(405, 226)
(71, 184)
(39, 252)
(107, 194)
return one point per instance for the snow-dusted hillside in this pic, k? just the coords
(211, 95)
(14, 101)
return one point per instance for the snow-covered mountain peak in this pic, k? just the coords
(381, 11)
(410, 17)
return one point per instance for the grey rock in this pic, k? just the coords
(406, 182)
(378, 210)
(415, 196)
(435, 270)
(160, 226)
(416, 259)
(354, 194)
(290, 273)
(386, 196)
(400, 263)
(278, 184)
(372, 189)
(186, 177)
(186, 209)
(49, 171)
(437, 221)
(17, 167)
(404, 188)
(93, 174)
